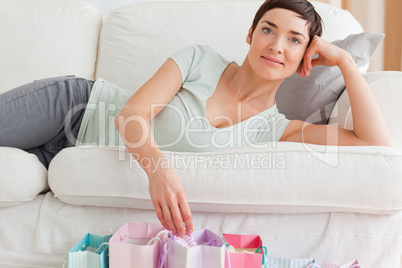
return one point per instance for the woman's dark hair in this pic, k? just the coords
(302, 7)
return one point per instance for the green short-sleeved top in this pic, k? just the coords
(182, 125)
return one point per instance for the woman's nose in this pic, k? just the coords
(276, 45)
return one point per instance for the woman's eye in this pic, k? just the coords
(295, 40)
(267, 30)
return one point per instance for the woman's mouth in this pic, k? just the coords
(272, 61)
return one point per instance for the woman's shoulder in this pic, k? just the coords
(198, 52)
(199, 58)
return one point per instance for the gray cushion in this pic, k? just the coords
(312, 98)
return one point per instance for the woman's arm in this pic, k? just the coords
(369, 127)
(133, 123)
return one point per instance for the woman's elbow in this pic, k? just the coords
(117, 120)
(385, 143)
(381, 142)
(130, 117)
(120, 119)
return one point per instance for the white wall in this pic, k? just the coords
(337, 3)
(371, 15)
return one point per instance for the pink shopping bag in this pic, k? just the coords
(205, 250)
(353, 264)
(129, 247)
(245, 247)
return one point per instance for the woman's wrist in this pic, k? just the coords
(346, 61)
(160, 170)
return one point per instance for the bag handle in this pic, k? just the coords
(64, 262)
(158, 237)
(100, 246)
(265, 261)
(227, 253)
(163, 256)
(83, 246)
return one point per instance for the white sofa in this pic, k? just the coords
(330, 203)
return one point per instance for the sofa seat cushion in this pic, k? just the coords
(281, 178)
(22, 177)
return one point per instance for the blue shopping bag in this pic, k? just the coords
(91, 252)
(278, 262)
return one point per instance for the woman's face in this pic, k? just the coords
(278, 44)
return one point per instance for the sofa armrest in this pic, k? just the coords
(387, 89)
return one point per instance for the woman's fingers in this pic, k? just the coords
(170, 202)
(300, 68)
(164, 214)
(177, 220)
(308, 61)
(303, 70)
(159, 214)
(168, 219)
(186, 214)
(308, 58)
(181, 212)
(328, 55)
(316, 62)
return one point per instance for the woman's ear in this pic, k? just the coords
(250, 32)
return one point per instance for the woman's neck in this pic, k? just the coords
(249, 88)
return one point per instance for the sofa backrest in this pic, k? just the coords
(45, 38)
(136, 39)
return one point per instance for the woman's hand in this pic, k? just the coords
(328, 55)
(372, 132)
(170, 201)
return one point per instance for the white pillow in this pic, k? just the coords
(286, 178)
(22, 177)
(47, 38)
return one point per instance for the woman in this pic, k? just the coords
(196, 82)
(283, 39)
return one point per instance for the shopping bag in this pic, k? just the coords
(245, 247)
(353, 264)
(276, 262)
(130, 246)
(91, 252)
(206, 249)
